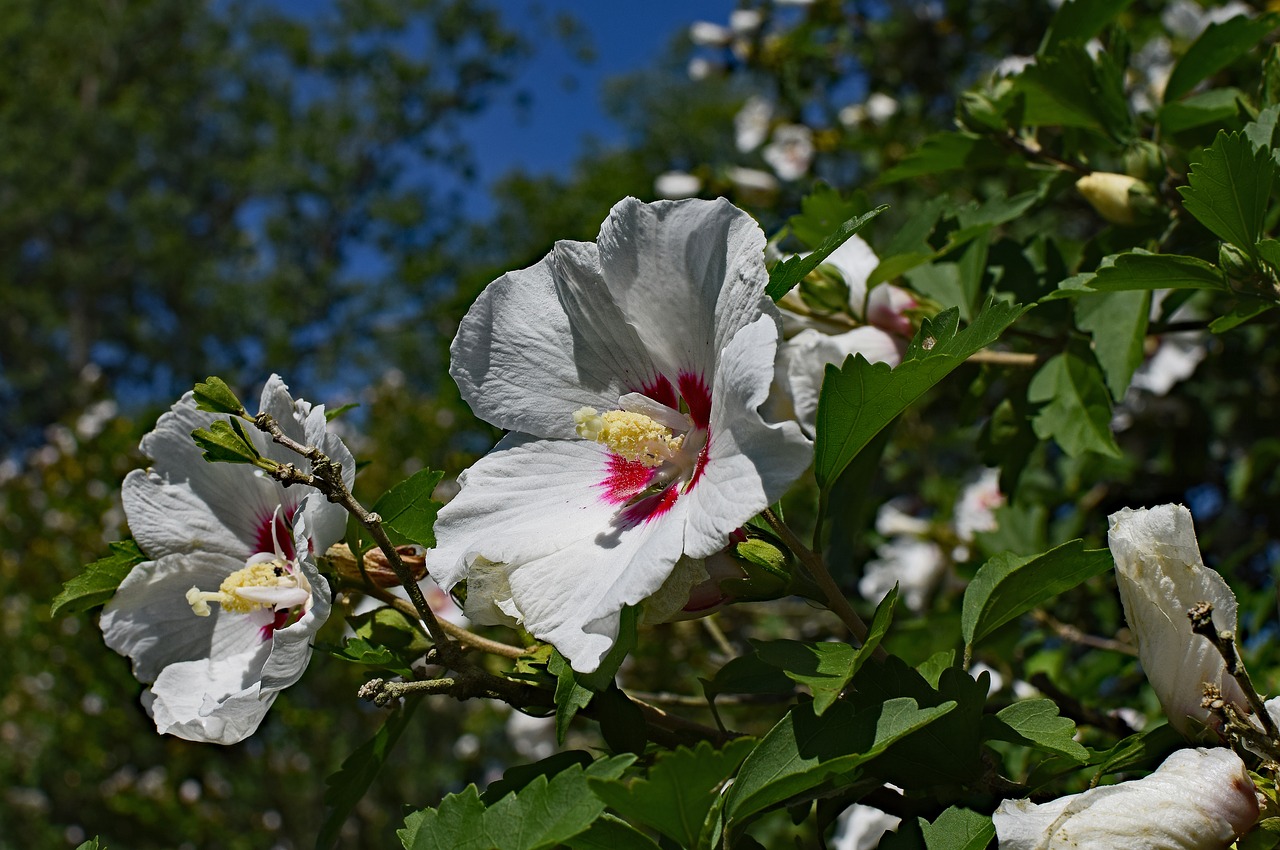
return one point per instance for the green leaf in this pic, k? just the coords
(1216, 107)
(1117, 322)
(1007, 586)
(944, 152)
(570, 697)
(822, 211)
(1080, 20)
(679, 791)
(215, 396)
(1139, 270)
(805, 750)
(785, 275)
(1143, 750)
(1068, 88)
(602, 678)
(931, 668)
(99, 580)
(824, 667)
(1036, 723)
(1243, 311)
(610, 833)
(747, 674)
(92, 844)
(408, 512)
(518, 776)
(621, 721)
(225, 441)
(1229, 187)
(1076, 410)
(1216, 48)
(358, 650)
(348, 785)
(392, 629)
(958, 829)
(861, 398)
(543, 814)
(1261, 132)
(330, 415)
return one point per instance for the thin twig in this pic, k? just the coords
(466, 638)
(1005, 358)
(1070, 633)
(817, 569)
(691, 701)
(717, 635)
(1201, 616)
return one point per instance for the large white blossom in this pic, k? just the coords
(790, 151)
(221, 619)
(1161, 575)
(1198, 799)
(630, 371)
(815, 341)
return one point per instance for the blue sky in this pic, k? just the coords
(566, 94)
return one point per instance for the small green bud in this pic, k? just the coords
(824, 290)
(979, 113)
(1234, 262)
(1144, 160)
(767, 569)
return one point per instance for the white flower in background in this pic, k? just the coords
(861, 827)
(745, 21)
(700, 69)
(814, 340)
(1012, 66)
(631, 371)
(674, 185)
(707, 34)
(1176, 356)
(752, 181)
(1161, 576)
(533, 738)
(913, 564)
(790, 152)
(1200, 799)
(1188, 19)
(222, 618)
(878, 109)
(976, 509)
(751, 124)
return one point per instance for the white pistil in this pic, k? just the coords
(262, 583)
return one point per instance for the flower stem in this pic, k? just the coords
(817, 569)
(467, 639)
(1225, 642)
(327, 478)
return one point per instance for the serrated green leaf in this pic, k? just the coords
(1069, 88)
(570, 696)
(958, 829)
(1007, 586)
(861, 398)
(679, 791)
(457, 824)
(823, 667)
(1036, 723)
(931, 668)
(943, 152)
(214, 396)
(786, 274)
(225, 441)
(804, 751)
(1261, 131)
(1076, 411)
(358, 650)
(1228, 190)
(518, 776)
(1216, 48)
(1117, 323)
(610, 833)
(822, 211)
(348, 785)
(408, 512)
(99, 580)
(1143, 750)
(388, 627)
(1139, 270)
(1080, 20)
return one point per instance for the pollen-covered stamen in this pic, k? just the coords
(634, 436)
(264, 582)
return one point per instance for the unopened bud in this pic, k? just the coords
(1144, 160)
(1233, 261)
(377, 568)
(1113, 195)
(824, 290)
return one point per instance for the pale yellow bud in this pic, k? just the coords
(1109, 194)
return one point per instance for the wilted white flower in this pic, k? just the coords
(674, 185)
(630, 371)
(1201, 799)
(223, 618)
(790, 152)
(751, 124)
(1161, 576)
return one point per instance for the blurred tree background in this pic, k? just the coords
(190, 189)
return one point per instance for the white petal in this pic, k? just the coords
(1161, 575)
(887, 307)
(687, 275)
(291, 646)
(808, 354)
(541, 342)
(855, 261)
(861, 827)
(150, 621)
(750, 463)
(538, 510)
(1196, 800)
(219, 702)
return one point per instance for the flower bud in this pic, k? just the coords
(377, 569)
(1161, 575)
(824, 290)
(1200, 799)
(1233, 261)
(1112, 195)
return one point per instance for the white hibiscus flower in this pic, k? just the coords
(1199, 799)
(631, 371)
(222, 618)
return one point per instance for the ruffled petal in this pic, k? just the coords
(750, 463)
(217, 702)
(688, 275)
(150, 621)
(539, 536)
(1160, 575)
(291, 646)
(807, 355)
